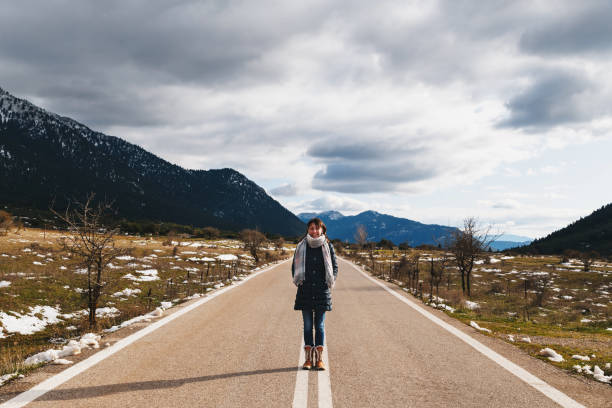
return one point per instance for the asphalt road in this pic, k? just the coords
(242, 349)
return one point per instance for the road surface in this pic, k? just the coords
(243, 349)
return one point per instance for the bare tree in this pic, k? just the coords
(540, 284)
(279, 244)
(361, 236)
(437, 267)
(93, 244)
(210, 232)
(253, 241)
(413, 276)
(467, 245)
(6, 222)
(587, 259)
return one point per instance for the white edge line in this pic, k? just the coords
(58, 379)
(546, 389)
(325, 394)
(300, 394)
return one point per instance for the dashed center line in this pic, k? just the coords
(300, 395)
(325, 394)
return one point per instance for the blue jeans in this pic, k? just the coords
(319, 320)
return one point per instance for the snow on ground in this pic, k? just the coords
(72, 348)
(125, 258)
(579, 357)
(4, 284)
(145, 275)
(551, 354)
(146, 318)
(28, 323)
(471, 305)
(597, 372)
(7, 377)
(227, 257)
(126, 292)
(204, 259)
(107, 312)
(477, 327)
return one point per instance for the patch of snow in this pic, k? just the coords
(477, 327)
(125, 258)
(107, 312)
(227, 257)
(471, 305)
(7, 377)
(126, 292)
(72, 348)
(551, 354)
(579, 357)
(146, 318)
(29, 323)
(5, 284)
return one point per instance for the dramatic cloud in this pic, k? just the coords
(554, 98)
(386, 103)
(578, 28)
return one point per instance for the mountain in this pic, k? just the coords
(514, 238)
(501, 245)
(590, 233)
(44, 156)
(379, 226)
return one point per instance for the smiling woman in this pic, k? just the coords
(314, 272)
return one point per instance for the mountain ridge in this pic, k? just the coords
(44, 156)
(378, 226)
(590, 233)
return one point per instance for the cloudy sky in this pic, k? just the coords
(429, 110)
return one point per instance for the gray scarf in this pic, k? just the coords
(299, 260)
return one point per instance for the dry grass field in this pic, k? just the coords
(561, 306)
(43, 292)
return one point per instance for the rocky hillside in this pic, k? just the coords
(44, 156)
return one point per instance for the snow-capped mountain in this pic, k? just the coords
(379, 226)
(45, 156)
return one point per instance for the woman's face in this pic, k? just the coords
(314, 231)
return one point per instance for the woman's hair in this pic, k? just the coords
(318, 223)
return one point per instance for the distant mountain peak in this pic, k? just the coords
(332, 215)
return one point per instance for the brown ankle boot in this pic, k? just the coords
(308, 363)
(319, 358)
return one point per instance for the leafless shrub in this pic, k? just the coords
(92, 242)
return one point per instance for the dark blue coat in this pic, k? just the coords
(313, 293)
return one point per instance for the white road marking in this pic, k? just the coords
(551, 392)
(58, 379)
(325, 394)
(300, 394)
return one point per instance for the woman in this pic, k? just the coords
(314, 272)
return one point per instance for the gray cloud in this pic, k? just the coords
(284, 190)
(572, 31)
(369, 166)
(99, 57)
(553, 98)
(232, 83)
